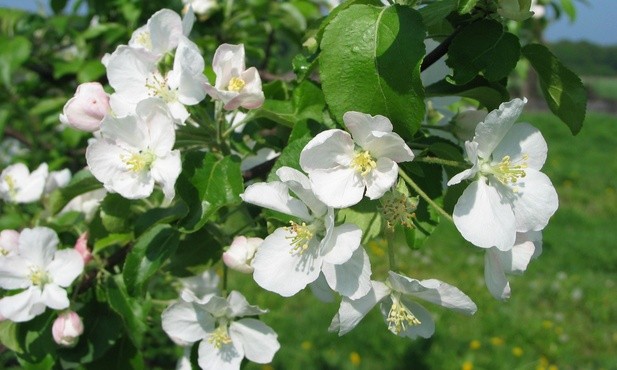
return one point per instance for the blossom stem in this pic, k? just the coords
(219, 118)
(425, 196)
(233, 127)
(391, 254)
(445, 162)
(224, 290)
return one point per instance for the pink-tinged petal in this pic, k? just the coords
(361, 125)
(275, 195)
(279, 269)
(342, 243)
(535, 201)
(55, 297)
(351, 312)
(381, 178)
(66, 267)
(88, 107)
(327, 151)
(38, 245)
(497, 123)
(389, 145)
(240, 254)
(14, 272)
(301, 186)
(245, 100)
(484, 218)
(258, 340)
(186, 322)
(228, 62)
(351, 279)
(495, 276)
(339, 188)
(523, 139)
(165, 172)
(228, 357)
(23, 306)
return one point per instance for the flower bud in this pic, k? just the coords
(81, 246)
(240, 254)
(87, 108)
(67, 328)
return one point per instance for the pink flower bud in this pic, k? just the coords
(240, 253)
(81, 246)
(67, 328)
(87, 108)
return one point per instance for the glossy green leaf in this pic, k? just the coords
(160, 215)
(148, 254)
(483, 48)
(81, 183)
(466, 6)
(366, 216)
(370, 62)
(434, 13)
(14, 51)
(133, 312)
(563, 90)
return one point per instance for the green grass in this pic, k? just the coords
(563, 311)
(603, 87)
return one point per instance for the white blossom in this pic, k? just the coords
(42, 270)
(18, 185)
(57, 179)
(342, 166)
(86, 203)
(509, 194)
(135, 152)
(203, 8)
(9, 241)
(162, 33)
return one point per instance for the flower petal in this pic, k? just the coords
(165, 172)
(186, 322)
(14, 272)
(339, 188)
(301, 186)
(320, 288)
(228, 62)
(426, 328)
(275, 195)
(351, 279)
(494, 275)
(535, 201)
(471, 147)
(258, 340)
(351, 312)
(388, 144)
(342, 243)
(361, 125)
(381, 178)
(66, 267)
(523, 139)
(38, 245)
(55, 297)
(228, 357)
(327, 151)
(23, 306)
(497, 123)
(240, 307)
(484, 218)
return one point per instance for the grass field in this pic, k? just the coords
(563, 310)
(602, 87)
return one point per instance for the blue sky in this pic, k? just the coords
(596, 22)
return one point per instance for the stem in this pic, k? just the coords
(445, 162)
(228, 7)
(219, 118)
(433, 127)
(425, 196)
(439, 51)
(234, 126)
(391, 255)
(224, 290)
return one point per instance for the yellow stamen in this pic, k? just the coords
(508, 172)
(236, 84)
(399, 317)
(38, 276)
(219, 337)
(157, 85)
(300, 237)
(143, 39)
(11, 184)
(363, 162)
(140, 161)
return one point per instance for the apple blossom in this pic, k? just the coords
(162, 33)
(67, 328)
(203, 8)
(9, 241)
(42, 270)
(294, 256)
(18, 185)
(135, 152)
(86, 203)
(87, 108)
(498, 263)
(225, 339)
(342, 166)
(57, 179)
(404, 317)
(235, 86)
(509, 194)
(240, 253)
(81, 246)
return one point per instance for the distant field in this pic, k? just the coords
(563, 312)
(602, 87)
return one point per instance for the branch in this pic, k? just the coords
(439, 51)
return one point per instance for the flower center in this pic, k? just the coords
(38, 276)
(363, 162)
(506, 171)
(11, 184)
(236, 84)
(219, 337)
(157, 86)
(399, 317)
(398, 209)
(144, 40)
(300, 236)
(139, 161)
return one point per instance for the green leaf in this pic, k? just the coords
(8, 335)
(307, 102)
(483, 47)
(436, 12)
(91, 70)
(195, 252)
(569, 8)
(116, 214)
(133, 312)
(334, 12)
(160, 215)
(563, 90)
(123, 355)
(14, 51)
(120, 239)
(58, 5)
(149, 253)
(81, 183)
(366, 215)
(34, 337)
(466, 6)
(488, 94)
(290, 156)
(381, 50)
(206, 184)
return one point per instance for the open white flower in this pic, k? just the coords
(42, 270)
(225, 340)
(18, 185)
(9, 242)
(235, 86)
(498, 263)
(162, 33)
(202, 8)
(292, 257)
(404, 317)
(342, 166)
(509, 194)
(135, 152)
(134, 75)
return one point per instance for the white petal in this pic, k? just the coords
(228, 357)
(132, 185)
(327, 151)
(535, 202)
(484, 218)
(186, 322)
(38, 245)
(320, 288)
(390, 145)
(240, 306)
(339, 188)
(165, 172)
(426, 329)
(32, 189)
(55, 297)
(495, 126)
(66, 267)
(158, 126)
(522, 139)
(301, 186)
(361, 125)
(494, 275)
(381, 178)
(351, 312)
(275, 195)
(187, 21)
(14, 272)
(257, 339)
(228, 62)
(105, 160)
(471, 147)
(342, 243)
(127, 72)
(280, 270)
(523, 251)
(165, 28)
(434, 291)
(351, 279)
(23, 306)
(128, 132)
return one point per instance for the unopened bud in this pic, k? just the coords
(81, 246)
(87, 108)
(67, 328)
(240, 254)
